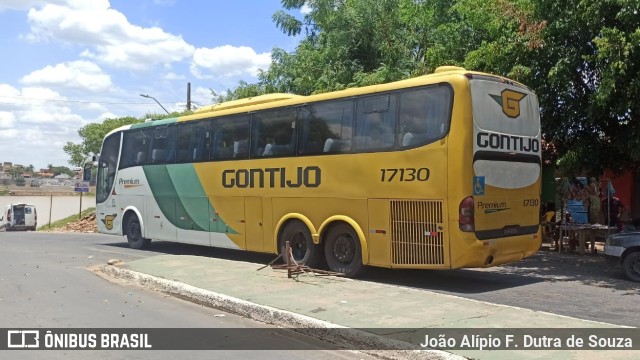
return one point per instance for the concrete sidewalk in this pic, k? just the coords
(268, 295)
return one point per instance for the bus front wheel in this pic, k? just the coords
(134, 234)
(343, 251)
(303, 250)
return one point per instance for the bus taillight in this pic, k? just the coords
(9, 215)
(466, 218)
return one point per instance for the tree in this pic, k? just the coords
(58, 170)
(354, 43)
(92, 136)
(16, 171)
(580, 57)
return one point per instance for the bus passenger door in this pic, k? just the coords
(227, 227)
(253, 223)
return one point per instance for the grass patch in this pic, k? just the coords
(67, 220)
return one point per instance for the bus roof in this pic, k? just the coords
(246, 102)
(282, 99)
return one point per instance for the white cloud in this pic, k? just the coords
(305, 9)
(8, 93)
(82, 75)
(108, 34)
(228, 61)
(13, 99)
(201, 96)
(7, 119)
(26, 4)
(62, 117)
(173, 76)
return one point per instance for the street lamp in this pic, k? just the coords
(154, 99)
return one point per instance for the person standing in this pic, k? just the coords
(624, 218)
(611, 210)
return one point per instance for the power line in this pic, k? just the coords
(68, 101)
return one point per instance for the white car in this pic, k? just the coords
(19, 217)
(624, 249)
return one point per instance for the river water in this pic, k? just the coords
(59, 207)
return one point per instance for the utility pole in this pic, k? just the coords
(188, 96)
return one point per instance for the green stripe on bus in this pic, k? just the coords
(166, 196)
(192, 195)
(181, 198)
(155, 123)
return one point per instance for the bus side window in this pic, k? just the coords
(423, 115)
(220, 150)
(140, 157)
(135, 145)
(192, 143)
(376, 123)
(200, 142)
(183, 143)
(241, 149)
(162, 145)
(231, 138)
(274, 133)
(326, 127)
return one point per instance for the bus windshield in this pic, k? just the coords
(107, 164)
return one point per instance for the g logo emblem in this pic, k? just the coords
(108, 221)
(510, 102)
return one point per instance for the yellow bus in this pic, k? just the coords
(440, 171)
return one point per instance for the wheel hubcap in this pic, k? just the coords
(134, 230)
(344, 249)
(298, 247)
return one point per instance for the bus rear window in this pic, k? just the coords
(504, 109)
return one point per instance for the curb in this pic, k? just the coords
(319, 329)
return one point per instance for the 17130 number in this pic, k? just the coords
(405, 174)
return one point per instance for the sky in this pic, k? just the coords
(68, 63)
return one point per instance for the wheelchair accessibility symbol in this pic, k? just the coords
(478, 185)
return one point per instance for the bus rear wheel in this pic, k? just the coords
(134, 234)
(303, 250)
(343, 252)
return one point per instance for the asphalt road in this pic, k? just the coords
(580, 286)
(45, 283)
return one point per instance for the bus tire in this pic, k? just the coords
(303, 249)
(134, 234)
(631, 266)
(343, 252)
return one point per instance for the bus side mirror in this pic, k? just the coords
(86, 174)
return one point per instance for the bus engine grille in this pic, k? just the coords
(417, 236)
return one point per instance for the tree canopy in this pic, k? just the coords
(92, 136)
(581, 57)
